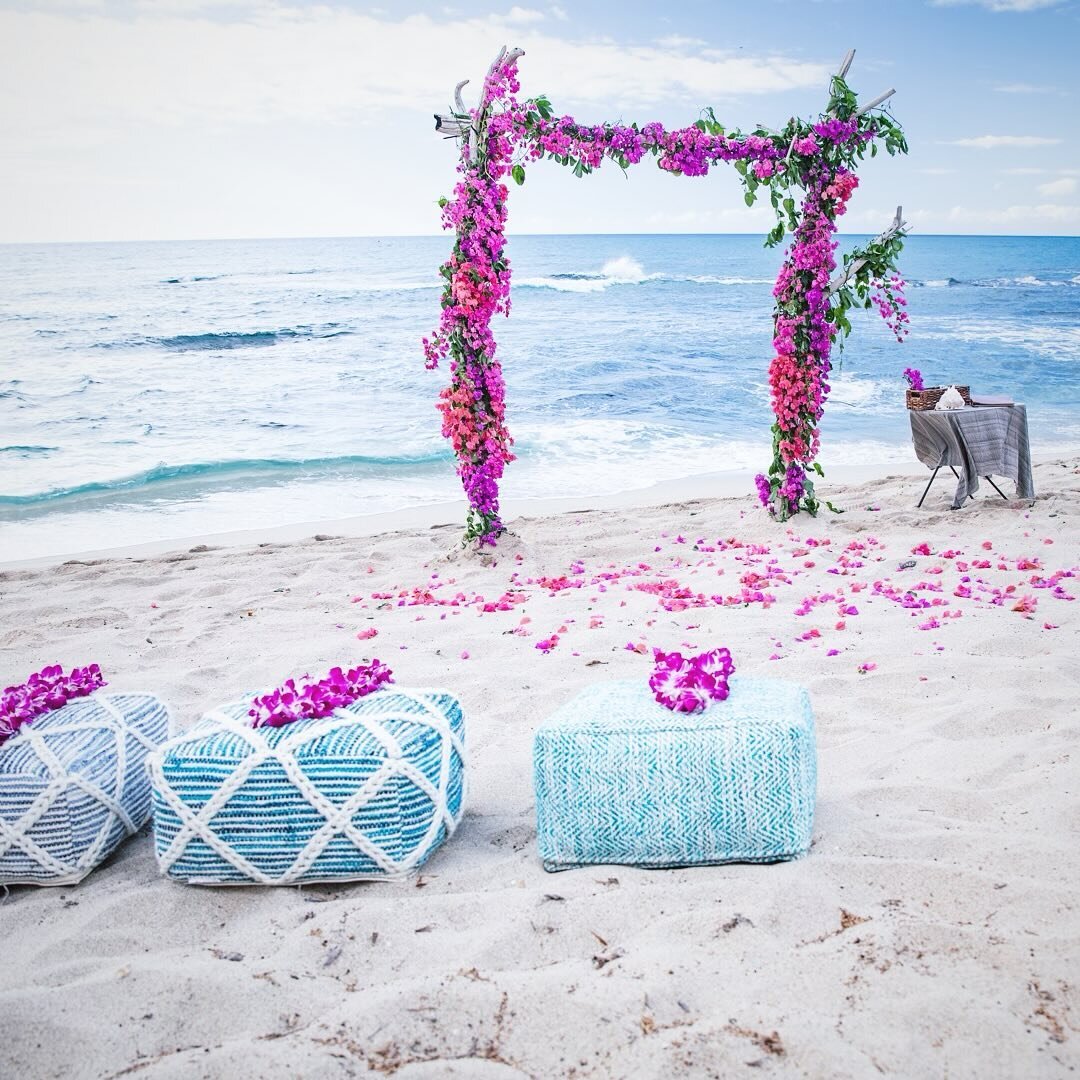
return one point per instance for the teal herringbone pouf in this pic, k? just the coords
(621, 779)
(369, 791)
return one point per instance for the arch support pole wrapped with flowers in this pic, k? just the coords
(814, 161)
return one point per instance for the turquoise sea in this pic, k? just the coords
(163, 390)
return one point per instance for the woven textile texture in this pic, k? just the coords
(367, 792)
(73, 784)
(621, 779)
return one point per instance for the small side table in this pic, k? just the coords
(979, 441)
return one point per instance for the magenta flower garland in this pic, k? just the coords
(477, 288)
(315, 698)
(44, 691)
(689, 684)
(818, 159)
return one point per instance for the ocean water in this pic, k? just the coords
(163, 390)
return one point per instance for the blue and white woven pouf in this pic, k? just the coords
(622, 779)
(73, 784)
(367, 792)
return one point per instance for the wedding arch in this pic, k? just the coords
(812, 160)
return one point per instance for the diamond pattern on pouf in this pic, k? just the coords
(73, 785)
(368, 792)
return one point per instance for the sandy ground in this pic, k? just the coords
(933, 930)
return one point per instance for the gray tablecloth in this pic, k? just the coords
(991, 441)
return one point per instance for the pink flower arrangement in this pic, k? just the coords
(44, 691)
(914, 378)
(315, 698)
(506, 134)
(477, 288)
(887, 295)
(689, 684)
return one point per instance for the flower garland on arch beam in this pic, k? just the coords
(812, 295)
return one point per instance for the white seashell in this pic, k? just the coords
(951, 399)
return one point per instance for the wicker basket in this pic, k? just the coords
(921, 400)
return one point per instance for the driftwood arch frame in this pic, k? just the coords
(814, 160)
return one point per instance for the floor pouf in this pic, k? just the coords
(367, 792)
(73, 784)
(622, 779)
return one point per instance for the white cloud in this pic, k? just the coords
(1055, 188)
(677, 41)
(1002, 5)
(519, 16)
(1024, 170)
(993, 142)
(1025, 88)
(107, 76)
(1026, 216)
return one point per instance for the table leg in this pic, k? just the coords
(933, 476)
(996, 488)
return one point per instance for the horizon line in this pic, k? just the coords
(510, 235)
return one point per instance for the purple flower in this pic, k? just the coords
(313, 699)
(689, 684)
(914, 378)
(45, 690)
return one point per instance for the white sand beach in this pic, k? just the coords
(933, 929)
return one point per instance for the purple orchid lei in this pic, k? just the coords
(44, 691)
(914, 378)
(817, 159)
(689, 684)
(316, 698)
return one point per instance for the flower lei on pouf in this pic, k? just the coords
(44, 691)
(689, 684)
(316, 698)
(504, 134)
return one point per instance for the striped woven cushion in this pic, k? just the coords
(367, 792)
(621, 779)
(73, 784)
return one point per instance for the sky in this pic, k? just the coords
(186, 119)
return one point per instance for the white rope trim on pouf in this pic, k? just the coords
(16, 835)
(338, 817)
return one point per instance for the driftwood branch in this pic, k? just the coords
(876, 102)
(845, 66)
(841, 72)
(898, 227)
(450, 126)
(463, 124)
(459, 125)
(458, 100)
